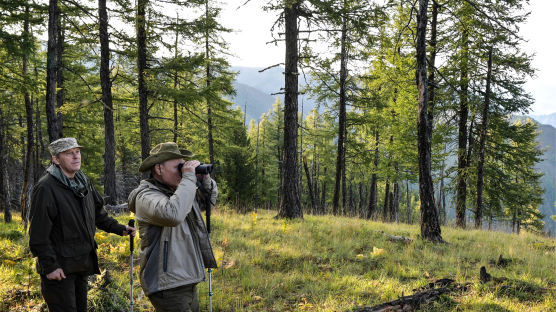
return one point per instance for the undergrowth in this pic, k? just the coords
(320, 263)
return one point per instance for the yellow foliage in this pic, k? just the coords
(254, 217)
(8, 262)
(377, 252)
(304, 305)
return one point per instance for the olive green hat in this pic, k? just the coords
(163, 152)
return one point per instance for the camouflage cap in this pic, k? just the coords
(62, 145)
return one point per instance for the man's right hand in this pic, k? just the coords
(57, 274)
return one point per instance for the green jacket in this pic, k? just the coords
(63, 225)
(175, 246)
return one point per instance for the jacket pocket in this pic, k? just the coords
(165, 259)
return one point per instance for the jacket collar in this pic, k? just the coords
(77, 185)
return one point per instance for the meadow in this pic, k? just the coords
(321, 263)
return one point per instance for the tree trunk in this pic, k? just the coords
(431, 81)
(386, 201)
(309, 184)
(323, 196)
(60, 81)
(208, 82)
(341, 155)
(396, 202)
(300, 169)
(290, 206)
(4, 168)
(141, 83)
(482, 140)
(28, 167)
(461, 195)
(408, 201)
(176, 122)
(106, 85)
(430, 228)
(53, 126)
(361, 205)
(373, 197)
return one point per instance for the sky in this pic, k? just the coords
(252, 25)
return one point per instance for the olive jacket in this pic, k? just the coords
(63, 225)
(175, 246)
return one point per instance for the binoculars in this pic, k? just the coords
(201, 169)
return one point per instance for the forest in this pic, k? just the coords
(416, 116)
(415, 104)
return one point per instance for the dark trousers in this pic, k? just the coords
(67, 295)
(179, 299)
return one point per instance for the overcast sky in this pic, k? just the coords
(252, 32)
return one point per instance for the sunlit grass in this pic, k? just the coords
(321, 263)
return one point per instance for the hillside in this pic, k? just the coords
(547, 140)
(254, 90)
(322, 263)
(549, 119)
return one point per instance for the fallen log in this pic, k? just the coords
(429, 293)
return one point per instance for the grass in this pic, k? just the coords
(321, 263)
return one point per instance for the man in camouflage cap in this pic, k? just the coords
(65, 211)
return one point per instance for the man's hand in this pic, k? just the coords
(190, 165)
(129, 231)
(57, 274)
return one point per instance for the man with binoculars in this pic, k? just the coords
(175, 247)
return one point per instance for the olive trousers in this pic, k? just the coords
(179, 299)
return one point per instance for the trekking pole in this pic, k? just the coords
(131, 224)
(209, 269)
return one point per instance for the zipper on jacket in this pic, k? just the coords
(165, 261)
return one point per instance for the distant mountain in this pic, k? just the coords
(547, 140)
(257, 91)
(549, 119)
(253, 101)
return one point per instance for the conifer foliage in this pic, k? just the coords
(414, 116)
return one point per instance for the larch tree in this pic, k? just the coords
(430, 227)
(290, 206)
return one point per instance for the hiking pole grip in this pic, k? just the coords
(131, 223)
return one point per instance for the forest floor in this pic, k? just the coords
(320, 263)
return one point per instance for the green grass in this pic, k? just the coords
(321, 263)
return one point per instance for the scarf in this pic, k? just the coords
(77, 184)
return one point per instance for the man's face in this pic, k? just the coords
(168, 172)
(69, 161)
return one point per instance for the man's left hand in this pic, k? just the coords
(129, 230)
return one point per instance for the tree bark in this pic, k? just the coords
(309, 185)
(341, 155)
(60, 81)
(373, 197)
(142, 85)
(28, 167)
(290, 206)
(396, 201)
(386, 201)
(209, 108)
(175, 140)
(430, 227)
(53, 126)
(106, 85)
(408, 201)
(461, 195)
(482, 141)
(4, 168)
(323, 196)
